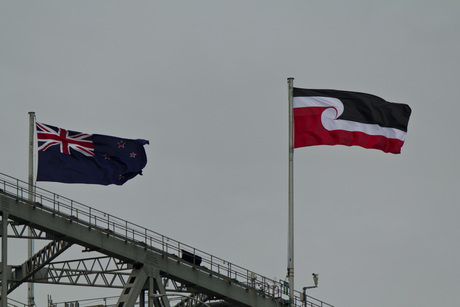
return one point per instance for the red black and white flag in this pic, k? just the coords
(332, 117)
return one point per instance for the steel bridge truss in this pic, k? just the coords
(148, 268)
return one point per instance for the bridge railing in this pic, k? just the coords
(141, 236)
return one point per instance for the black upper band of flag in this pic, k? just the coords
(365, 108)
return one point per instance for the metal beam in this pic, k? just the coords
(189, 269)
(133, 287)
(38, 261)
(112, 244)
(24, 231)
(94, 272)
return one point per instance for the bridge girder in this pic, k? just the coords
(49, 224)
(153, 259)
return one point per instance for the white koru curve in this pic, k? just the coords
(335, 109)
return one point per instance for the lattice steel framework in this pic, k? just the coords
(147, 266)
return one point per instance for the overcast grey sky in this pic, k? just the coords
(205, 82)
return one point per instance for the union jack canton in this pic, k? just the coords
(65, 139)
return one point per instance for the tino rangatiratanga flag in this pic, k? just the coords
(332, 117)
(74, 157)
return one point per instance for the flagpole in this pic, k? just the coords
(30, 249)
(290, 270)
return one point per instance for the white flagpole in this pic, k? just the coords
(30, 286)
(290, 270)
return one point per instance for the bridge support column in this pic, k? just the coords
(141, 278)
(142, 299)
(155, 284)
(132, 288)
(4, 299)
(151, 291)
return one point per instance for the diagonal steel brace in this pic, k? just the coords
(43, 257)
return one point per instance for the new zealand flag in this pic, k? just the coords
(75, 157)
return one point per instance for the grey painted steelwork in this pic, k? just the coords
(152, 256)
(37, 262)
(94, 272)
(22, 231)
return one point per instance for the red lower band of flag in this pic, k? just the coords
(309, 131)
